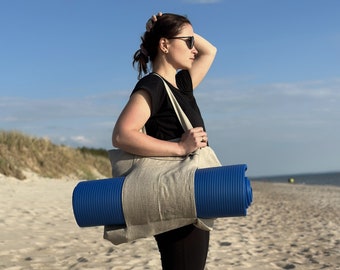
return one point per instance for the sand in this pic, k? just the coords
(288, 226)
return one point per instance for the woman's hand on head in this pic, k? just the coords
(193, 139)
(151, 21)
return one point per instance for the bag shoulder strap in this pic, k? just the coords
(183, 119)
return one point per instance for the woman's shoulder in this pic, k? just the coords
(154, 86)
(150, 82)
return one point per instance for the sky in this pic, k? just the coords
(271, 100)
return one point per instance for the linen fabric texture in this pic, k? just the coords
(158, 192)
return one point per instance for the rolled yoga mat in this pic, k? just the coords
(219, 192)
(222, 192)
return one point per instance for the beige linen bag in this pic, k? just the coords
(158, 192)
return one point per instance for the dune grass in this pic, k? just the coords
(20, 152)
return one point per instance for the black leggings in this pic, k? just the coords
(185, 248)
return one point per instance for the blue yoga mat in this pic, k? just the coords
(222, 192)
(99, 202)
(219, 192)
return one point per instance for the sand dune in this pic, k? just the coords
(287, 227)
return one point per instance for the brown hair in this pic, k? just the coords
(167, 25)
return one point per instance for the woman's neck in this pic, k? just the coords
(166, 71)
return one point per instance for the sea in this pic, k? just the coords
(329, 178)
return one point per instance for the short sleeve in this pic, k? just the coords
(154, 86)
(163, 122)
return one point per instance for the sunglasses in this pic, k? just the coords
(189, 40)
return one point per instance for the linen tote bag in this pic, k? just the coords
(158, 192)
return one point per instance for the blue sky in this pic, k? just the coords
(271, 99)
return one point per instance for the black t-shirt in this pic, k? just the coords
(163, 123)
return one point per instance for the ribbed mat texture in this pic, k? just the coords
(222, 192)
(98, 202)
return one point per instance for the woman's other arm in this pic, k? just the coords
(204, 59)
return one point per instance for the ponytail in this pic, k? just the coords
(141, 59)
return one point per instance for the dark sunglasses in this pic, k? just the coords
(189, 40)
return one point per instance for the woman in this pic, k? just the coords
(182, 58)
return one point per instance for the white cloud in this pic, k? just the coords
(81, 140)
(277, 99)
(62, 120)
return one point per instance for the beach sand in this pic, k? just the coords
(288, 226)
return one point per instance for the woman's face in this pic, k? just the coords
(180, 55)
